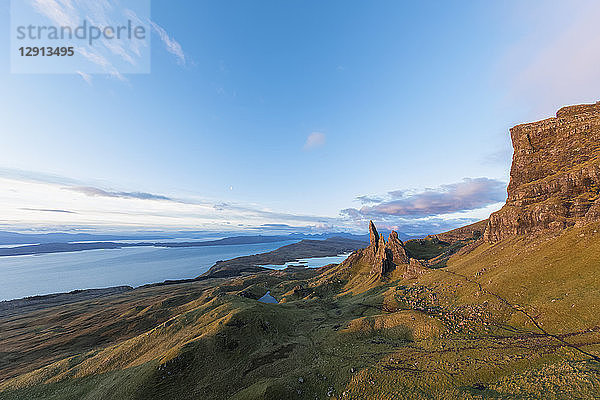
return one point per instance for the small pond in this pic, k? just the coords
(267, 298)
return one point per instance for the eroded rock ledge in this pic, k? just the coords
(555, 175)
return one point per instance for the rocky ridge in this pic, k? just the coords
(555, 175)
(385, 257)
(469, 232)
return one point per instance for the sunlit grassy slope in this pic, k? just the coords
(514, 320)
(556, 279)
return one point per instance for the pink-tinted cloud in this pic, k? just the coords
(314, 140)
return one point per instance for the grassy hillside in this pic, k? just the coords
(513, 320)
(556, 279)
(437, 249)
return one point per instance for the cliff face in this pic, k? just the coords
(555, 175)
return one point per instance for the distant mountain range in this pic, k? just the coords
(44, 247)
(9, 238)
(28, 244)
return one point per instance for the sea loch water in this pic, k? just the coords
(314, 262)
(23, 276)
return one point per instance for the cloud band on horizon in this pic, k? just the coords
(468, 195)
(92, 191)
(69, 202)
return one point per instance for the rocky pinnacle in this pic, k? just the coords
(374, 236)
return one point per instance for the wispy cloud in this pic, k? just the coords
(398, 194)
(32, 176)
(86, 77)
(353, 213)
(25, 195)
(40, 201)
(314, 140)
(470, 194)
(366, 199)
(104, 56)
(92, 191)
(170, 43)
(276, 225)
(60, 11)
(49, 210)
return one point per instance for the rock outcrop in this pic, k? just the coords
(414, 270)
(469, 232)
(384, 256)
(373, 234)
(555, 175)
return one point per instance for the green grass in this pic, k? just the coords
(346, 334)
(431, 248)
(425, 249)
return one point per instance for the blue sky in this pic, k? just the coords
(316, 115)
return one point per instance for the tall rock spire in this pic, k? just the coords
(397, 250)
(384, 256)
(384, 259)
(374, 236)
